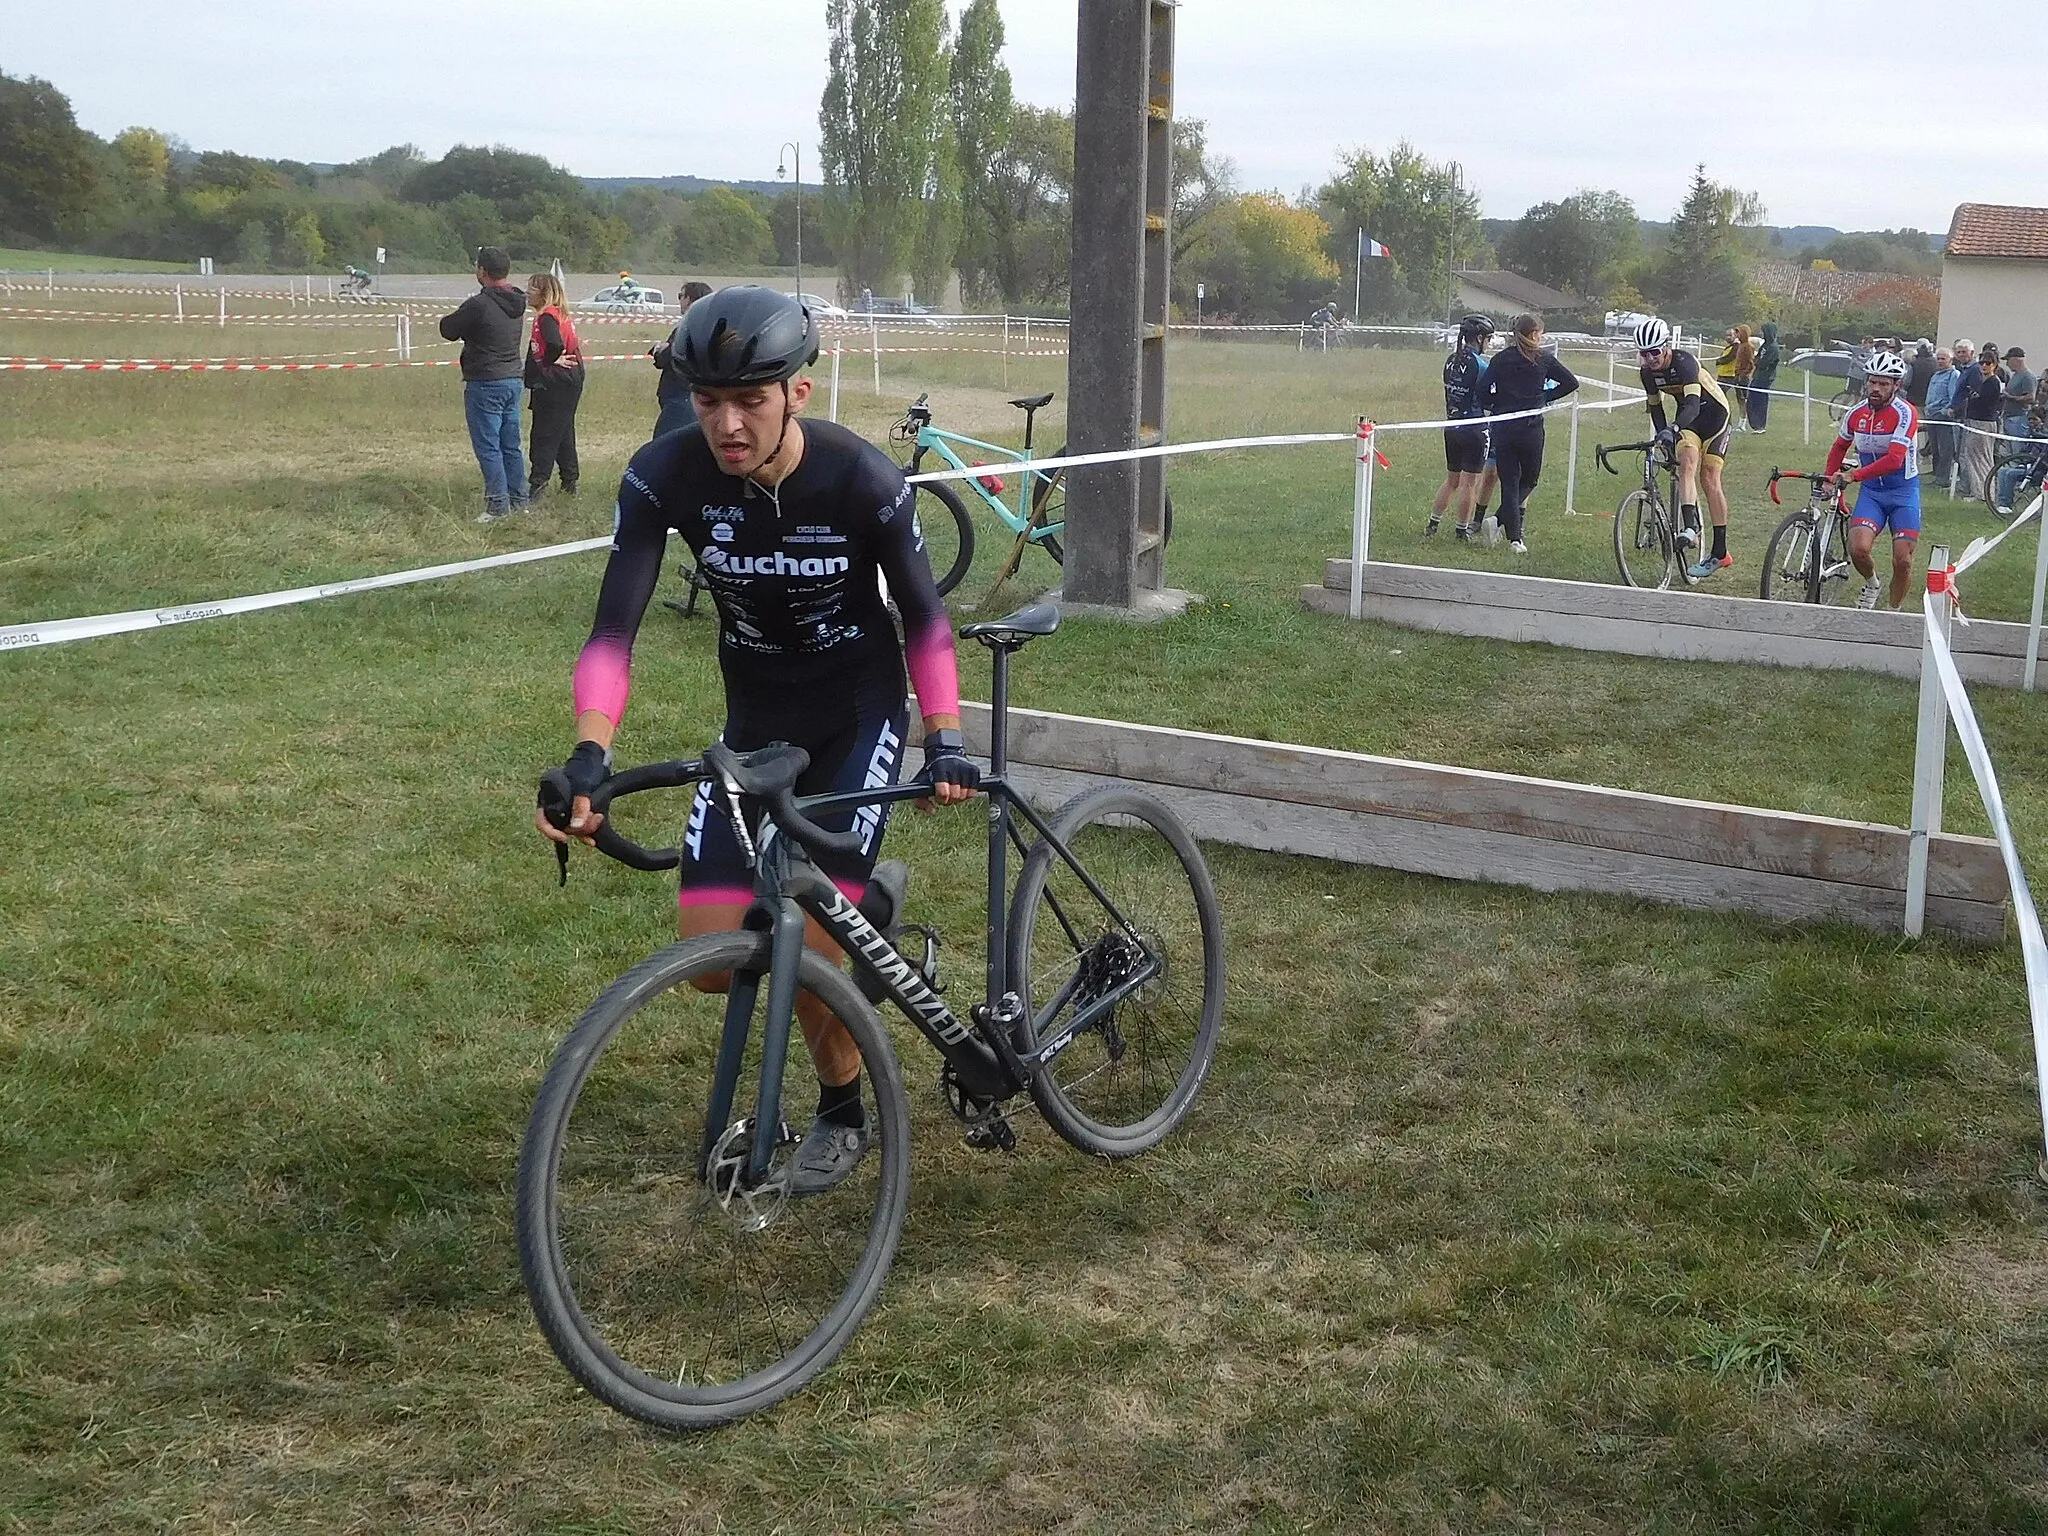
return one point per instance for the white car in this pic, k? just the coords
(634, 300)
(823, 308)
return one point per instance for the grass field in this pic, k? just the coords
(31, 262)
(1501, 1212)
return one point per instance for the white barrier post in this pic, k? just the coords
(1006, 346)
(875, 341)
(1930, 750)
(1027, 335)
(1571, 466)
(330, 288)
(2040, 586)
(836, 354)
(1806, 404)
(1610, 373)
(53, 282)
(222, 295)
(179, 290)
(1361, 518)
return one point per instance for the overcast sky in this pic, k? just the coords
(1536, 101)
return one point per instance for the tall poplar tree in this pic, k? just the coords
(983, 110)
(878, 128)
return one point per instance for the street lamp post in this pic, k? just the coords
(796, 154)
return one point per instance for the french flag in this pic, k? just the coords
(1370, 247)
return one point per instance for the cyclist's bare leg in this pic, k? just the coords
(1903, 545)
(1861, 538)
(832, 1048)
(1688, 456)
(1468, 495)
(1717, 498)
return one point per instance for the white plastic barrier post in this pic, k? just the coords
(1930, 751)
(222, 296)
(875, 341)
(1806, 404)
(1027, 334)
(330, 287)
(52, 275)
(1006, 348)
(179, 290)
(1571, 466)
(1361, 518)
(2040, 587)
(836, 353)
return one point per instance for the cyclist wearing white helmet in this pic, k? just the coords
(791, 523)
(1698, 437)
(1884, 430)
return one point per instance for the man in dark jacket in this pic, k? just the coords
(673, 408)
(489, 324)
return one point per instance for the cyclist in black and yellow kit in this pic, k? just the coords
(1698, 435)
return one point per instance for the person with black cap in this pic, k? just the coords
(489, 325)
(791, 522)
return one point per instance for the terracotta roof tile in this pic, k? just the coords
(1998, 229)
(1522, 290)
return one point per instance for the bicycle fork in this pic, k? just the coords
(786, 952)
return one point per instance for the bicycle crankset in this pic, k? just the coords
(988, 1125)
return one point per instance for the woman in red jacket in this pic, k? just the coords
(554, 372)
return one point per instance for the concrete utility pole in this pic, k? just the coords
(1116, 359)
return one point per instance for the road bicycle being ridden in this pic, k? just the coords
(1807, 560)
(355, 284)
(668, 1261)
(1649, 545)
(1040, 515)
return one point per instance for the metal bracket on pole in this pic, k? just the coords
(1930, 749)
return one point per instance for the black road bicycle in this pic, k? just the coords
(668, 1261)
(1807, 560)
(1649, 544)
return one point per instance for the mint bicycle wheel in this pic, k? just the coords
(948, 533)
(1049, 509)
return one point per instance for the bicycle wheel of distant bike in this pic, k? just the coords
(1643, 546)
(1843, 402)
(674, 1285)
(1049, 509)
(1120, 971)
(948, 533)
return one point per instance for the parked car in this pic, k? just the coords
(822, 307)
(872, 304)
(635, 300)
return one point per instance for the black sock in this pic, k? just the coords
(841, 1105)
(1721, 542)
(1688, 514)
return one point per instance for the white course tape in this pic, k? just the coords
(2033, 945)
(1981, 547)
(57, 632)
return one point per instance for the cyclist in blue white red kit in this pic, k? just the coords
(791, 523)
(1884, 430)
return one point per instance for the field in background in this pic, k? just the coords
(28, 263)
(1503, 1211)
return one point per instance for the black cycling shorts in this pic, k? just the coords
(855, 741)
(1465, 450)
(1711, 429)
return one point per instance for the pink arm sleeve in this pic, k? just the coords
(604, 678)
(934, 672)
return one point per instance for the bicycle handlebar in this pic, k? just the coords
(1601, 450)
(1795, 474)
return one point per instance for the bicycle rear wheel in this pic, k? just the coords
(1830, 581)
(673, 1287)
(1049, 508)
(1128, 988)
(1643, 546)
(948, 533)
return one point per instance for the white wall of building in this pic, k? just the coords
(2000, 301)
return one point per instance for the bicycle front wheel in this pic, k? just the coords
(1642, 542)
(1121, 974)
(948, 533)
(1789, 561)
(675, 1287)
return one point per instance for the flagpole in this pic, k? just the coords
(1358, 293)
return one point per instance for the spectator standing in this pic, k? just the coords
(1725, 367)
(1941, 416)
(487, 323)
(1980, 398)
(671, 395)
(1920, 374)
(1522, 378)
(1765, 377)
(1745, 371)
(554, 372)
(2022, 392)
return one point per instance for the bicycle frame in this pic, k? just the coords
(931, 439)
(787, 886)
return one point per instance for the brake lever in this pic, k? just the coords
(556, 802)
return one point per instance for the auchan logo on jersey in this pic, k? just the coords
(777, 564)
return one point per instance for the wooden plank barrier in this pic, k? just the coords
(1465, 824)
(1686, 626)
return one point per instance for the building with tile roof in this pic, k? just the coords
(1994, 276)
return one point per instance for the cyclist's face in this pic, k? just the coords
(1660, 358)
(1881, 390)
(743, 426)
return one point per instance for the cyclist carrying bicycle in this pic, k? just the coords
(1884, 430)
(1697, 438)
(791, 522)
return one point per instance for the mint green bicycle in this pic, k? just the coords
(1039, 516)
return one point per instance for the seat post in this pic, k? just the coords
(999, 712)
(1030, 417)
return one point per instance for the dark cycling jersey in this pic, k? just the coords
(1464, 372)
(1702, 408)
(793, 572)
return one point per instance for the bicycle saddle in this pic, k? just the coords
(1033, 402)
(1010, 632)
(764, 773)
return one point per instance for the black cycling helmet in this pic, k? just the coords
(744, 335)
(1473, 327)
